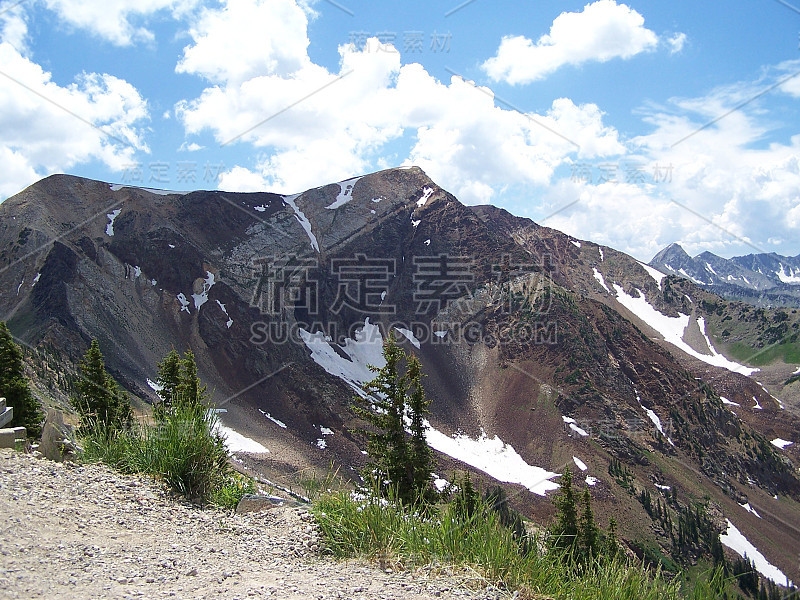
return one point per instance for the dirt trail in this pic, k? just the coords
(71, 531)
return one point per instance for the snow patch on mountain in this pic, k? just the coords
(184, 302)
(579, 463)
(111, 217)
(654, 418)
(277, 422)
(672, 330)
(236, 442)
(495, 458)
(790, 277)
(750, 509)
(654, 273)
(734, 540)
(599, 276)
(778, 400)
(224, 310)
(409, 335)
(574, 427)
(345, 193)
(366, 349)
(426, 193)
(779, 443)
(302, 219)
(202, 297)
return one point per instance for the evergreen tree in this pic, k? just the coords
(564, 532)
(395, 462)
(421, 455)
(496, 500)
(465, 502)
(14, 386)
(179, 383)
(612, 545)
(169, 379)
(190, 389)
(588, 532)
(99, 398)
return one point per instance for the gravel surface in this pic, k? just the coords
(86, 531)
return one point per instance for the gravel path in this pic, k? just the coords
(72, 531)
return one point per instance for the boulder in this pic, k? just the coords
(257, 503)
(58, 438)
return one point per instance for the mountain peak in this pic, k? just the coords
(671, 253)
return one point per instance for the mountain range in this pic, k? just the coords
(540, 351)
(765, 279)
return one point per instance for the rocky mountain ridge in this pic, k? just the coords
(765, 279)
(540, 350)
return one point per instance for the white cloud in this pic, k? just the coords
(240, 179)
(266, 37)
(190, 147)
(602, 31)
(13, 25)
(340, 122)
(676, 42)
(117, 21)
(48, 128)
(738, 193)
(790, 71)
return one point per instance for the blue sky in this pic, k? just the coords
(631, 124)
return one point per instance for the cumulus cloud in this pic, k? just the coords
(602, 31)
(117, 21)
(48, 128)
(260, 38)
(317, 126)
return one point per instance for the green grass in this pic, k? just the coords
(183, 450)
(788, 353)
(403, 536)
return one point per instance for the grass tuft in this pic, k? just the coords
(410, 536)
(184, 449)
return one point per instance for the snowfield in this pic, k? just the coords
(236, 442)
(655, 274)
(779, 443)
(673, 328)
(734, 540)
(494, 457)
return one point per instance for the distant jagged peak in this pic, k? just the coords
(672, 252)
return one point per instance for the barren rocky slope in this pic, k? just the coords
(73, 531)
